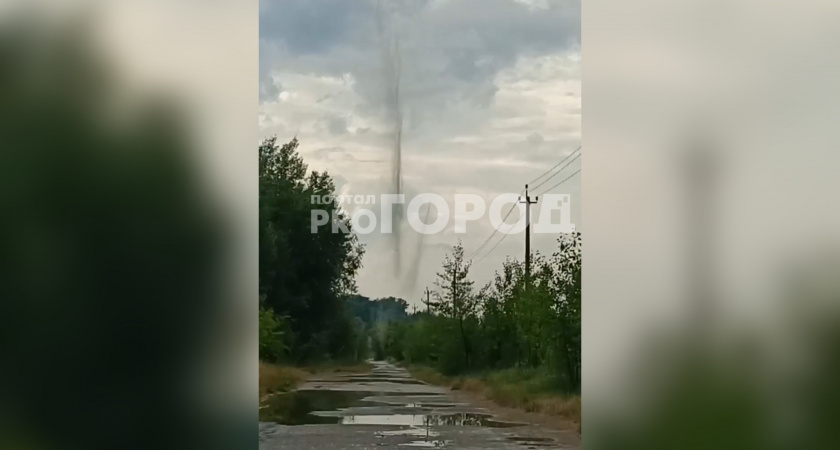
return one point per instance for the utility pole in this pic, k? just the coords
(427, 299)
(454, 293)
(701, 176)
(527, 201)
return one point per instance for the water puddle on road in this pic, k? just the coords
(432, 405)
(533, 442)
(427, 444)
(426, 420)
(295, 408)
(430, 438)
(309, 407)
(355, 379)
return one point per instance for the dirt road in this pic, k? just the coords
(389, 409)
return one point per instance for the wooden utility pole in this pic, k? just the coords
(701, 176)
(454, 292)
(427, 299)
(527, 201)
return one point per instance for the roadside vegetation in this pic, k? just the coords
(305, 277)
(515, 341)
(525, 389)
(305, 325)
(279, 378)
(311, 319)
(276, 379)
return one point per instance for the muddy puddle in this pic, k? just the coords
(427, 444)
(387, 408)
(381, 380)
(533, 442)
(312, 407)
(295, 408)
(426, 420)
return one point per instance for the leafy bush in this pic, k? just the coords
(530, 325)
(273, 334)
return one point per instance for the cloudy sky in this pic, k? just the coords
(489, 94)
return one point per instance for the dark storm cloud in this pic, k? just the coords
(269, 88)
(451, 51)
(309, 26)
(488, 85)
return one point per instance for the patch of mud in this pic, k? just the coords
(533, 442)
(312, 407)
(381, 380)
(438, 443)
(295, 408)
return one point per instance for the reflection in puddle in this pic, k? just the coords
(533, 442)
(431, 405)
(426, 420)
(381, 380)
(308, 407)
(420, 432)
(428, 444)
(295, 408)
(429, 437)
(416, 401)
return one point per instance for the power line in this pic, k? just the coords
(483, 244)
(555, 166)
(491, 250)
(564, 180)
(513, 206)
(506, 235)
(559, 171)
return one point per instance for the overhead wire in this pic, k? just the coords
(489, 238)
(555, 166)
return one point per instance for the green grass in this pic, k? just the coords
(275, 378)
(531, 390)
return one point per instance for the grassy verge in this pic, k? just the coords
(528, 390)
(275, 378)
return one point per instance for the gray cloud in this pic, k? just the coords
(450, 53)
(308, 27)
(269, 87)
(490, 91)
(328, 152)
(535, 138)
(336, 125)
(269, 90)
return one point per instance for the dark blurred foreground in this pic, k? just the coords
(710, 296)
(112, 250)
(711, 302)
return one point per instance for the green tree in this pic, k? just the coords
(272, 335)
(306, 274)
(565, 269)
(503, 325)
(455, 298)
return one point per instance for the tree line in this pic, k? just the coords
(514, 321)
(310, 309)
(305, 277)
